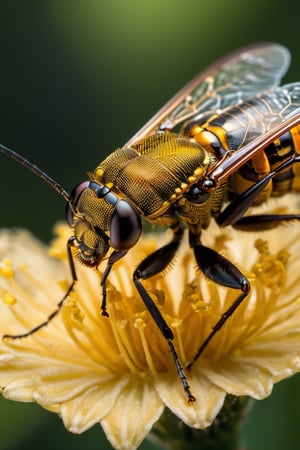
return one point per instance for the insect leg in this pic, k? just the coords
(153, 264)
(258, 222)
(70, 244)
(223, 272)
(114, 257)
(236, 209)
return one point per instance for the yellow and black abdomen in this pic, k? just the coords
(239, 125)
(280, 151)
(275, 154)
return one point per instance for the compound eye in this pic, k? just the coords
(125, 226)
(75, 194)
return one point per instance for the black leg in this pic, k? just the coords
(70, 244)
(223, 272)
(264, 221)
(114, 257)
(153, 264)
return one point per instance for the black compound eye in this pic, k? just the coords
(75, 194)
(125, 226)
(197, 195)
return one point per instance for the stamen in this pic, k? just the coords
(271, 269)
(121, 318)
(131, 351)
(72, 317)
(64, 285)
(140, 324)
(6, 268)
(8, 298)
(73, 320)
(197, 303)
(120, 335)
(176, 325)
(196, 298)
(57, 252)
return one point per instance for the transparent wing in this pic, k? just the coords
(257, 115)
(269, 116)
(271, 109)
(237, 76)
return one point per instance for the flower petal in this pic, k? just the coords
(91, 406)
(20, 390)
(239, 379)
(135, 411)
(199, 414)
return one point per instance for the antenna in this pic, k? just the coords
(24, 162)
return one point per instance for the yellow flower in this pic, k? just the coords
(118, 371)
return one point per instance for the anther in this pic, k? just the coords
(9, 299)
(6, 268)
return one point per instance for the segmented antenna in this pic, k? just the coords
(24, 162)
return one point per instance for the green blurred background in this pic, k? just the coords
(78, 79)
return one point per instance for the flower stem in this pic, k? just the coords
(171, 433)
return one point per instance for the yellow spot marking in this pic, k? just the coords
(198, 171)
(99, 172)
(192, 179)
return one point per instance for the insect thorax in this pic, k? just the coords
(155, 173)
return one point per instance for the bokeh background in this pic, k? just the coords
(77, 79)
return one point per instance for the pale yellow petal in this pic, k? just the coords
(83, 411)
(199, 414)
(277, 366)
(239, 379)
(20, 389)
(135, 411)
(63, 387)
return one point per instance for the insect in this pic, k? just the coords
(228, 140)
